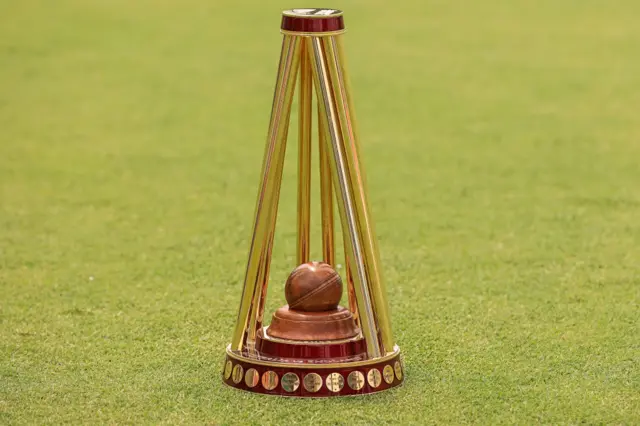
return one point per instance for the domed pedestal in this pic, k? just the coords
(289, 324)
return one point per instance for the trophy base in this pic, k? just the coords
(320, 378)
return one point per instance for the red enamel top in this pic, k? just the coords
(312, 20)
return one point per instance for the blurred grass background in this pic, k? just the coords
(502, 143)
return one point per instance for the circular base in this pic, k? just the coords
(312, 380)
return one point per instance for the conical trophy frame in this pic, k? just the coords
(313, 347)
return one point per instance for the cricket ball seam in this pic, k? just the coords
(319, 288)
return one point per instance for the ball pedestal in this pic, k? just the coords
(314, 347)
(313, 292)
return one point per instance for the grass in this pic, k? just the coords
(501, 140)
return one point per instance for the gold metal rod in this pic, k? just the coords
(304, 157)
(257, 307)
(355, 175)
(351, 292)
(326, 196)
(346, 207)
(256, 275)
(257, 314)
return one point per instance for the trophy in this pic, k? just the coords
(314, 347)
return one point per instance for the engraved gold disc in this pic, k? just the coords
(252, 377)
(227, 370)
(398, 367)
(312, 382)
(269, 380)
(290, 382)
(355, 380)
(335, 382)
(374, 378)
(387, 374)
(237, 373)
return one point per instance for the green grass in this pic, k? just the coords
(502, 144)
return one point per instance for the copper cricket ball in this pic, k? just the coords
(313, 287)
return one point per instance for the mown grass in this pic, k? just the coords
(502, 143)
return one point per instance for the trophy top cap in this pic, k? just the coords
(312, 21)
(318, 13)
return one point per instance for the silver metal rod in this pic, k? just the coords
(347, 209)
(338, 79)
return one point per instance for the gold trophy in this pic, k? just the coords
(314, 347)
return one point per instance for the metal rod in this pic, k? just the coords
(257, 272)
(326, 195)
(328, 233)
(304, 156)
(351, 291)
(344, 188)
(355, 175)
(257, 315)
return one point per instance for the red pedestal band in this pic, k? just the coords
(347, 350)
